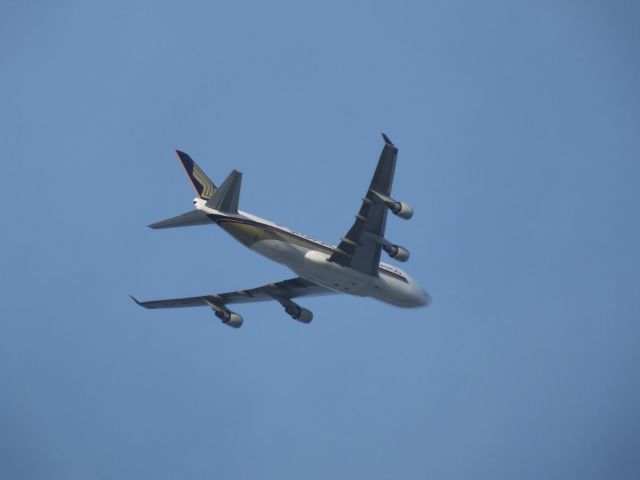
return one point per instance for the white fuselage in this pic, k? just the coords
(392, 285)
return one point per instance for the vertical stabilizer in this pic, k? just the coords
(225, 198)
(203, 186)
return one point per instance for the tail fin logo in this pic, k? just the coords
(201, 183)
(206, 187)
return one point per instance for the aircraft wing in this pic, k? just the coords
(360, 248)
(281, 291)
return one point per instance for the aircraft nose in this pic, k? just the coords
(422, 297)
(426, 297)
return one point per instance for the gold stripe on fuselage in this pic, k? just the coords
(250, 233)
(246, 233)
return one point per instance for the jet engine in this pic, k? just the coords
(231, 319)
(401, 209)
(397, 252)
(298, 313)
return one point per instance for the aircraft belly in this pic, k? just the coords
(314, 265)
(280, 251)
(317, 268)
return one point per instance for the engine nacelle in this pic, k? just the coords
(401, 209)
(397, 252)
(300, 314)
(231, 319)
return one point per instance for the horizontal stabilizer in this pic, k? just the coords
(188, 219)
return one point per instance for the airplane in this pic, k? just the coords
(353, 267)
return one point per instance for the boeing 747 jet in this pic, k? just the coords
(352, 267)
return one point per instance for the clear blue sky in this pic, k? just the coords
(519, 136)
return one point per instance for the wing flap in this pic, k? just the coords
(359, 248)
(174, 302)
(280, 291)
